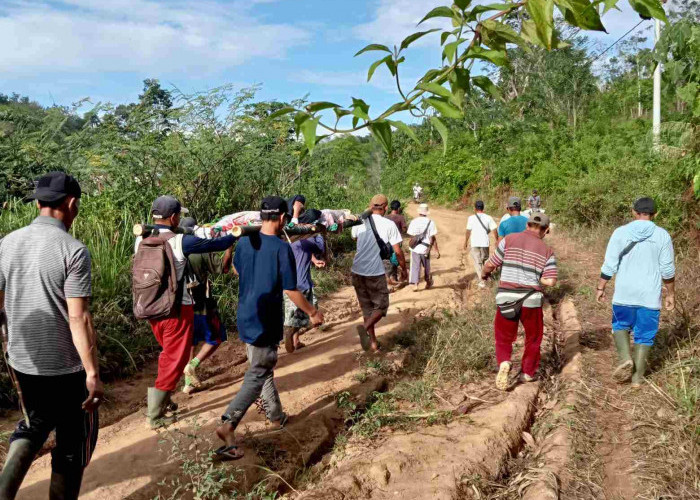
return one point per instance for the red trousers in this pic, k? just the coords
(506, 331)
(174, 334)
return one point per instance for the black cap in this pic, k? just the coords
(166, 206)
(273, 205)
(395, 205)
(188, 223)
(55, 186)
(645, 206)
(479, 205)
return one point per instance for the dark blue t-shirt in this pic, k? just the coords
(266, 267)
(515, 224)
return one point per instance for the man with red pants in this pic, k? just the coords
(527, 264)
(175, 332)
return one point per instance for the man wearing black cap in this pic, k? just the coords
(516, 223)
(45, 286)
(266, 268)
(640, 254)
(175, 332)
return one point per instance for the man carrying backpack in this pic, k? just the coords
(266, 268)
(52, 347)
(479, 226)
(375, 240)
(641, 255)
(424, 232)
(165, 301)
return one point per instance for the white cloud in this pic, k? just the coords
(137, 35)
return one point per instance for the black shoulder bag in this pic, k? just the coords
(385, 249)
(482, 224)
(511, 310)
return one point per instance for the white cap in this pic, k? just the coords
(423, 209)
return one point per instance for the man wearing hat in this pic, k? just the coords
(527, 266)
(209, 330)
(266, 268)
(175, 332)
(426, 230)
(640, 254)
(516, 223)
(45, 287)
(368, 274)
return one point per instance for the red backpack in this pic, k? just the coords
(155, 287)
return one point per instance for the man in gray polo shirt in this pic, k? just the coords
(52, 348)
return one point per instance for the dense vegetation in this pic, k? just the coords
(578, 132)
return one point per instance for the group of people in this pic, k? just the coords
(45, 287)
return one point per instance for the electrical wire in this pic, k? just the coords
(615, 42)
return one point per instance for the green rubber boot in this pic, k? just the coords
(641, 356)
(19, 458)
(623, 371)
(157, 406)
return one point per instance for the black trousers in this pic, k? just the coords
(54, 402)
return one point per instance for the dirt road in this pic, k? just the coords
(129, 461)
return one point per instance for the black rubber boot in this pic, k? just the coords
(19, 458)
(623, 371)
(65, 486)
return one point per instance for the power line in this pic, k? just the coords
(615, 42)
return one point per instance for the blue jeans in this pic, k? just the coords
(642, 321)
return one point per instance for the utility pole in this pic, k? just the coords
(656, 124)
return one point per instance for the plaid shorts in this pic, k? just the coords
(372, 293)
(295, 317)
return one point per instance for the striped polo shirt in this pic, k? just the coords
(524, 259)
(41, 266)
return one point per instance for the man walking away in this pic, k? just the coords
(417, 192)
(266, 269)
(527, 264)
(516, 223)
(52, 347)
(306, 252)
(479, 226)
(375, 239)
(391, 266)
(424, 232)
(174, 331)
(209, 330)
(641, 255)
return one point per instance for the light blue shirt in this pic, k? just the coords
(513, 224)
(640, 273)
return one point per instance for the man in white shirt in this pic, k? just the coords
(479, 226)
(426, 230)
(368, 276)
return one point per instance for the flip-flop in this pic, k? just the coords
(300, 345)
(226, 452)
(365, 341)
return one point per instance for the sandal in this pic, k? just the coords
(289, 341)
(364, 337)
(226, 452)
(300, 345)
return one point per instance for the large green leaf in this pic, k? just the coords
(281, 112)
(374, 46)
(480, 9)
(462, 4)
(404, 128)
(399, 106)
(415, 36)
(320, 106)
(485, 84)
(581, 13)
(443, 107)
(438, 12)
(382, 132)
(376, 64)
(308, 129)
(649, 8)
(542, 14)
(430, 75)
(497, 57)
(300, 118)
(340, 112)
(434, 88)
(496, 35)
(442, 130)
(360, 109)
(610, 4)
(459, 83)
(450, 49)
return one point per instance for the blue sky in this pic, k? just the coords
(60, 51)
